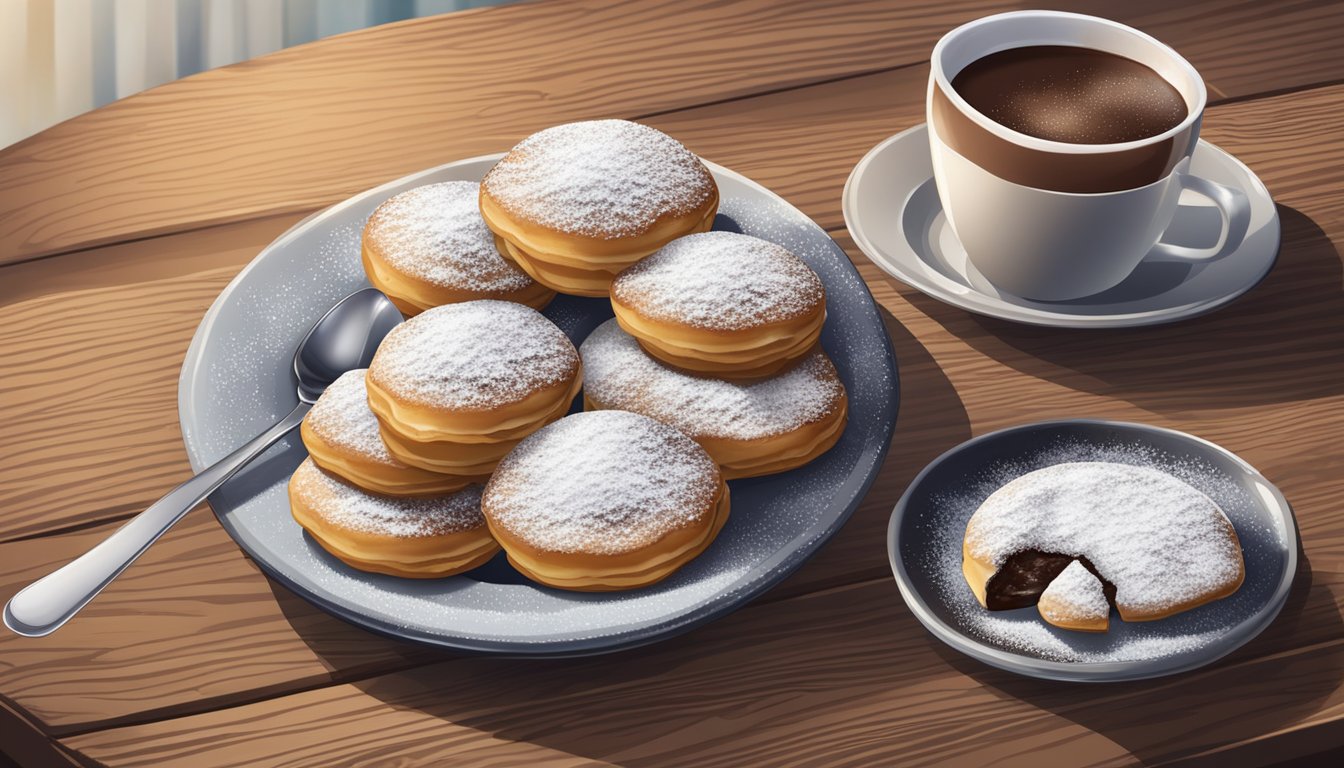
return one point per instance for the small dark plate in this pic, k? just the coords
(924, 544)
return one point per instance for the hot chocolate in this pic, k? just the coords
(1072, 95)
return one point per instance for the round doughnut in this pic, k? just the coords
(429, 246)
(722, 304)
(342, 437)
(1158, 545)
(457, 386)
(418, 538)
(575, 204)
(749, 428)
(604, 501)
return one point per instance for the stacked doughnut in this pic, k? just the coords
(717, 334)
(429, 246)
(397, 453)
(455, 388)
(373, 511)
(575, 204)
(750, 427)
(605, 501)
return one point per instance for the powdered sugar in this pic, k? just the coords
(602, 178)
(436, 233)
(343, 505)
(473, 356)
(1075, 593)
(619, 374)
(720, 280)
(941, 525)
(603, 482)
(342, 417)
(1159, 541)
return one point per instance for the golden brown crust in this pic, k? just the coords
(979, 572)
(437, 555)
(467, 456)
(376, 476)
(767, 455)
(587, 572)
(1228, 590)
(750, 353)
(428, 246)
(413, 295)
(505, 422)
(585, 266)
(1064, 616)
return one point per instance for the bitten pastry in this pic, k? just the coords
(1076, 599)
(577, 203)
(341, 435)
(603, 501)
(749, 428)
(722, 304)
(418, 538)
(429, 246)
(1160, 544)
(456, 387)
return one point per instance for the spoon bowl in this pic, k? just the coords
(343, 340)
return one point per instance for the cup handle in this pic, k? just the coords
(1235, 208)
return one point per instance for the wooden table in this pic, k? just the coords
(118, 228)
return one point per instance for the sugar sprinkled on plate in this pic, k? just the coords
(1022, 631)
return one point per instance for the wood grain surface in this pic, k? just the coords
(448, 87)
(156, 290)
(141, 213)
(842, 677)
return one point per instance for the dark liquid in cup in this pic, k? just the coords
(1073, 95)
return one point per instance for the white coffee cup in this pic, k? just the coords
(1049, 220)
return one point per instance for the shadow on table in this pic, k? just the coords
(1236, 356)
(723, 691)
(782, 683)
(1221, 704)
(931, 420)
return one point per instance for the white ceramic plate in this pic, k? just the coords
(236, 381)
(924, 544)
(893, 213)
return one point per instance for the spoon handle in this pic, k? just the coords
(43, 606)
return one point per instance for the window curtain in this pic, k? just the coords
(59, 58)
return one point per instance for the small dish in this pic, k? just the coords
(893, 213)
(927, 525)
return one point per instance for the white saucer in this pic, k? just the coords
(892, 210)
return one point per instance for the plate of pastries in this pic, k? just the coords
(633, 390)
(1093, 550)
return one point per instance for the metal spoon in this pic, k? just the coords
(344, 339)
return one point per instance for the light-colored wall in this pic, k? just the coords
(59, 58)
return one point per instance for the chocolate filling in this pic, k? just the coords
(1026, 574)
